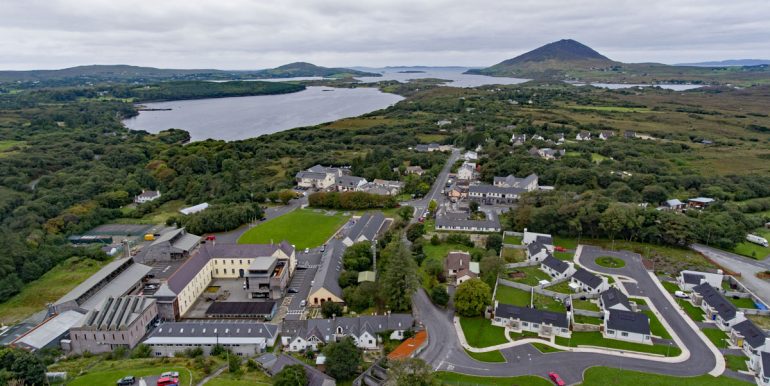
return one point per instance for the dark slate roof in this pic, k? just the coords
(613, 296)
(349, 325)
(358, 226)
(587, 278)
(532, 315)
(311, 175)
(328, 273)
(765, 364)
(457, 260)
(534, 248)
(448, 221)
(724, 308)
(241, 308)
(555, 264)
(545, 240)
(752, 334)
(628, 321)
(212, 328)
(692, 278)
(349, 181)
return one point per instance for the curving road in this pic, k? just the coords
(444, 351)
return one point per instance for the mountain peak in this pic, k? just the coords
(564, 50)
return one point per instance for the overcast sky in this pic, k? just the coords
(242, 34)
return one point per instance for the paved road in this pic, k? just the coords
(746, 266)
(421, 205)
(444, 351)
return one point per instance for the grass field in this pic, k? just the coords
(547, 303)
(602, 376)
(562, 287)
(97, 371)
(450, 378)
(566, 256)
(9, 147)
(440, 251)
(716, 336)
(489, 356)
(742, 302)
(303, 228)
(255, 377)
(533, 275)
(596, 339)
(513, 296)
(656, 328)
(585, 305)
(610, 262)
(736, 362)
(48, 288)
(513, 240)
(598, 158)
(754, 251)
(480, 332)
(761, 321)
(695, 313)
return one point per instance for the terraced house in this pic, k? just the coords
(309, 334)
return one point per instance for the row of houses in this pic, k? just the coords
(583, 135)
(461, 222)
(692, 203)
(339, 179)
(365, 330)
(431, 147)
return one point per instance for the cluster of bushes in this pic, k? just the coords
(351, 200)
(218, 218)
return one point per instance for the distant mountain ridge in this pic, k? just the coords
(304, 69)
(728, 63)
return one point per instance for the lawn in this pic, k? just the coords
(440, 251)
(638, 301)
(582, 319)
(695, 313)
(566, 256)
(585, 305)
(751, 250)
(602, 376)
(513, 296)
(513, 255)
(594, 338)
(742, 302)
(761, 321)
(736, 362)
(97, 371)
(716, 336)
(610, 262)
(548, 303)
(255, 377)
(671, 287)
(480, 332)
(489, 356)
(523, 335)
(514, 240)
(598, 158)
(562, 288)
(450, 378)
(565, 242)
(532, 275)
(656, 328)
(48, 288)
(303, 228)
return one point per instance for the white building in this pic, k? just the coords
(717, 307)
(147, 196)
(467, 171)
(194, 209)
(244, 338)
(588, 282)
(628, 326)
(614, 299)
(519, 319)
(556, 268)
(319, 177)
(309, 334)
(689, 279)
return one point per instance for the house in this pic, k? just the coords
(689, 279)
(606, 134)
(366, 228)
(443, 122)
(266, 277)
(214, 261)
(431, 147)
(415, 170)
(700, 202)
(763, 375)
(325, 285)
(559, 138)
(391, 188)
(467, 171)
(457, 192)
(628, 134)
(556, 268)
(147, 196)
(490, 194)
(173, 245)
(537, 251)
(309, 334)
(538, 137)
(319, 177)
(194, 209)
(588, 282)
(520, 319)
(458, 266)
(614, 299)
(243, 338)
(347, 183)
(548, 153)
(673, 204)
(717, 307)
(528, 183)
(117, 322)
(471, 156)
(752, 340)
(274, 364)
(626, 325)
(460, 222)
(545, 239)
(583, 135)
(518, 139)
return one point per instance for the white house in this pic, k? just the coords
(583, 135)
(299, 335)
(628, 326)
(528, 183)
(614, 299)
(752, 340)
(689, 279)
(542, 238)
(470, 155)
(519, 319)
(537, 252)
(717, 307)
(763, 375)
(490, 194)
(467, 171)
(244, 339)
(147, 196)
(365, 228)
(459, 267)
(319, 177)
(556, 268)
(347, 183)
(605, 135)
(588, 282)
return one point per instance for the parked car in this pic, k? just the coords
(323, 248)
(167, 381)
(302, 303)
(127, 380)
(681, 294)
(307, 250)
(556, 379)
(293, 290)
(560, 249)
(171, 374)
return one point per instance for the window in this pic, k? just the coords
(233, 270)
(610, 332)
(535, 325)
(525, 324)
(370, 341)
(623, 334)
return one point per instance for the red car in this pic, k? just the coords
(560, 249)
(556, 379)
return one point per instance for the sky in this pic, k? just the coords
(243, 34)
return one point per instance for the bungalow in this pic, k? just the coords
(752, 340)
(542, 238)
(689, 279)
(614, 299)
(528, 183)
(458, 266)
(673, 204)
(556, 268)
(415, 170)
(147, 196)
(763, 375)
(628, 326)
(519, 319)
(605, 135)
(628, 134)
(537, 251)
(716, 307)
(459, 222)
(700, 202)
(588, 282)
(347, 183)
(467, 171)
(490, 194)
(583, 135)
(549, 154)
(309, 334)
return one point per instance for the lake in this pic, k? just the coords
(247, 117)
(453, 74)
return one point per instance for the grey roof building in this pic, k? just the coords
(366, 228)
(495, 194)
(587, 278)
(329, 330)
(173, 245)
(723, 307)
(634, 322)
(555, 264)
(751, 334)
(532, 315)
(613, 298)
(274, 364)
(118, 278)
(117, 322)
(460, 222)
(244, 338)
(325, 286)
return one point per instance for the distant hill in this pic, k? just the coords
(571, 60)
(302, 69)
(729, 63)
(118, 72)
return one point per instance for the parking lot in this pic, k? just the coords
(307, 265)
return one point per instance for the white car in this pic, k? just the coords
(307, 250)
(681, 294)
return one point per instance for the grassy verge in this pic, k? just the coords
(562, 288)
(97, 371)
(566, 256)
(512, 255)
(671, 287)
(656, 328)
(596, 339)
(762, 321)
(601, 376)
(610, 262)
(480, 332)
(693, 312)
(450, 378)
(303, 228)
(48, 288)
(736, 362)
(523, 335)
(716, 336)
(544, 348)
(246, 378)
(489, 356)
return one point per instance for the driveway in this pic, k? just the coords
(746, 266)
(444, 351)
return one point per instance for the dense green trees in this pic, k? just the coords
(399, 280)
(439, 295)
(218, 218)
(410, 372)
(20, 365)
(358, 257)
(329, 309)
(342, 359)
(293, 375)
(472, 297)
(351, 200)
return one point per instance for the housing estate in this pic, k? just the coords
(557, 269)
(687, 280)
(716, 306)
(519, 319)
(627, 325)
